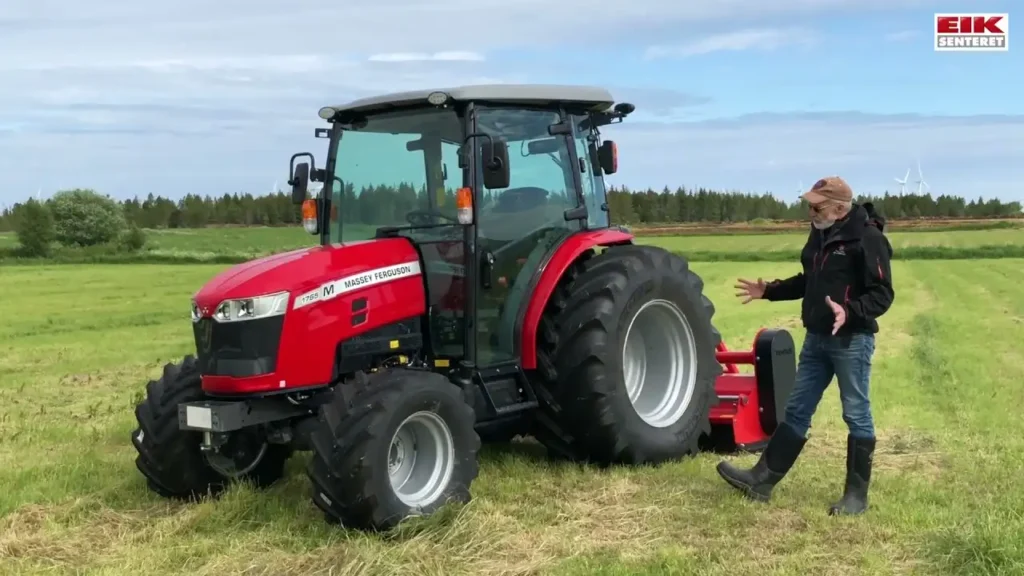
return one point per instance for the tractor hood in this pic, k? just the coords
(299, 271)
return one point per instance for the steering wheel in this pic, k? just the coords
(422, 217)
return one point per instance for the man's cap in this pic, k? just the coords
(831, 188)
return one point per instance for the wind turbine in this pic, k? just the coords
(920, 179)
(903, 183)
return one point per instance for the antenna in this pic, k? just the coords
(903, 183)
(920, 179)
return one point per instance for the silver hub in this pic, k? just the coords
(421, 459)
(659, 363)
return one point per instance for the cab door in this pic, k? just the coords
(518, 226)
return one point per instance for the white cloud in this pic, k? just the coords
(424, 57)
(775, 151)
(112, 29)
(740, 40)
(132, 97)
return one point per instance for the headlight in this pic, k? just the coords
(251, 308)
(196, 313)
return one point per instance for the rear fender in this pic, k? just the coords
(547, 278)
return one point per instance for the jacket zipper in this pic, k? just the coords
(816, 269)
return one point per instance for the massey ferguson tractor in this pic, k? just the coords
(467, 287)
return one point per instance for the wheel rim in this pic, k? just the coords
(421, 459)
(659, 363)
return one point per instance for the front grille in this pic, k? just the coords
(238, 349)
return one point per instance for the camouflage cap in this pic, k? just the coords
(831, 188)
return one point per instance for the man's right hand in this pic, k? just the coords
(750, 290)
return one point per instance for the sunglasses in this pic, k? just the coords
(818, 208)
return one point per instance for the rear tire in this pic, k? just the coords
(170, 458)
(357, 462)
(586, 410)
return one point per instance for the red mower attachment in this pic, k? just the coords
(751, 405)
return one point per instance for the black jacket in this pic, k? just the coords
(849, 262)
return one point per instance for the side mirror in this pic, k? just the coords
(608, 155)
(495, 158)
(300, 183)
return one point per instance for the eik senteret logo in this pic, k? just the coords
(972, 32)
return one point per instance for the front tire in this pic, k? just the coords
(404, 445)
(630, 311)
(170, 458)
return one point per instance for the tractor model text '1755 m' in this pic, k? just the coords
(468, 286)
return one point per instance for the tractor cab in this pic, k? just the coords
(486, 181)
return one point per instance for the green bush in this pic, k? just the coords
(134, 240)
(35, 229)
(85, 218)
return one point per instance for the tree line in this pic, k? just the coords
(682, 205)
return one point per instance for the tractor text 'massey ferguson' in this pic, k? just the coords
(972, 32)
(336, 287)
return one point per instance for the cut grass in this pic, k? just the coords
(79, 342)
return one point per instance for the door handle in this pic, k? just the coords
(486, 269)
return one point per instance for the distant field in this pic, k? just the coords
(255, 240)
(768, 226)
(795, 241)
(236, 244)
(249, 242)
(946, 496)
(241, 243)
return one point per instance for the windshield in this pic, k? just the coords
(396, 169)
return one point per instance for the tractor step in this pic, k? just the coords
(506, 391)
(519, 407)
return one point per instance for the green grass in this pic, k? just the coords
(78, 343)
(790, 242)
(230, 245)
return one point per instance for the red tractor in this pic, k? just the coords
(456, 296)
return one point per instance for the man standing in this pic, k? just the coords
(846, 284)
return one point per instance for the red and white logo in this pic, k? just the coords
(972, 32)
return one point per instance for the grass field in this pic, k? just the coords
(79, 342)
(259, 240)
(226, 245)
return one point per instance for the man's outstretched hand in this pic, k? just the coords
(839, 312)
(750, 290)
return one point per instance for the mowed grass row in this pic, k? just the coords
(228, 245)
(259, 240)
(79, 342)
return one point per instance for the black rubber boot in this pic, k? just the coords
(859, 454)
(776, 460)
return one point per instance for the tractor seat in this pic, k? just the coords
(523, 199)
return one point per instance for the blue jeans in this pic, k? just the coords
(848, 358)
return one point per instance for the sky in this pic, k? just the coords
(130, 97)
